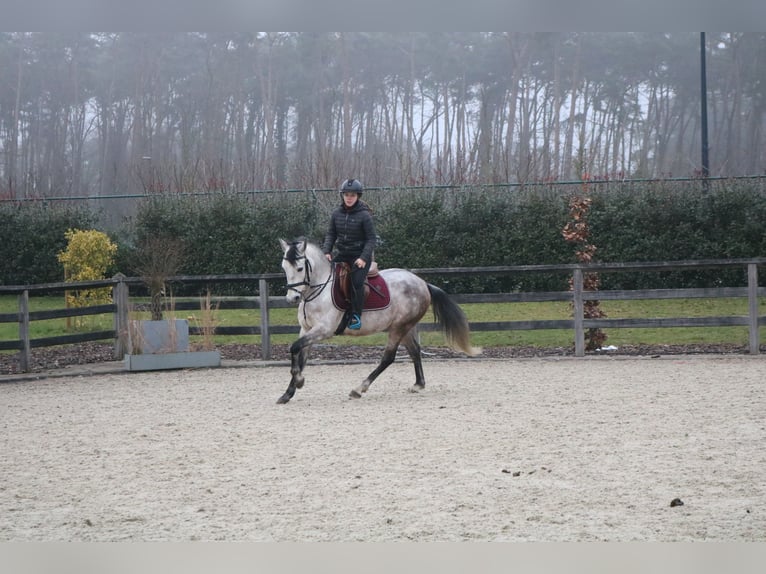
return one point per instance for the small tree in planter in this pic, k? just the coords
(158, 343)
(159, 257)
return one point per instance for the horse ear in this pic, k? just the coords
(283, 244)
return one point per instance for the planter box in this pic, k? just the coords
(185, 360)
(171, 336)
(165, 345)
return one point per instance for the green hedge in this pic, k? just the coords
(423, 228)
(435, 229)
(677, 224)
(32, 235)
(221, 234)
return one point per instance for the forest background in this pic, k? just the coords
(470, 144)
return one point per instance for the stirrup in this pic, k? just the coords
(355, 323)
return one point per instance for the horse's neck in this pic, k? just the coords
(321, 268)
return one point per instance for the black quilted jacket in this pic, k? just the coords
(352, 232)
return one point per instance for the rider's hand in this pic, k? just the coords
(329, 256)
(360, 263)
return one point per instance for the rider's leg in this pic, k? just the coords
(358, 276)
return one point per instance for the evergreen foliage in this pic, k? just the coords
(424, 228)
(32, 235)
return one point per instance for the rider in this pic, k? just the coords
(352, 232)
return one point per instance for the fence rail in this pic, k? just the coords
(577, 296)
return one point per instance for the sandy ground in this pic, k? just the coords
(493, 450)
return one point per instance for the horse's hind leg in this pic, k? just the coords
(389, 354)
(412, 345)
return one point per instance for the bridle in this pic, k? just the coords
(314, 290)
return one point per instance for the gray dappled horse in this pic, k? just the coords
(310, 282)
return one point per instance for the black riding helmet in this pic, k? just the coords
(352, 184)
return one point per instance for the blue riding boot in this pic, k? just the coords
(355, 323)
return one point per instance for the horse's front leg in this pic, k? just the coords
(299, 354)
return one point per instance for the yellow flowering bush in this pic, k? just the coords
(88, 255)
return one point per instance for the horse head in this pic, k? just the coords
(306, 268)
(296, 268)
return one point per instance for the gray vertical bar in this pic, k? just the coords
(120, 296)
(752, 303)
(578, 313)
(263, 291)
(24, 331)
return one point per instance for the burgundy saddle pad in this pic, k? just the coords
(378, 296)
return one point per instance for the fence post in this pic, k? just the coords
(26, 347)
(263, 293)
(752, 301)
(577, 289)
(120, 296)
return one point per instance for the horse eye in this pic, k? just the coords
(299, 268)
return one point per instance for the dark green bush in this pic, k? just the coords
(220, 234)
(234, 234)
(678, 224)
(32, 235)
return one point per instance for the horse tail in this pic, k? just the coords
(452, 320)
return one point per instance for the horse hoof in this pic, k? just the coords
(283, 399)
(354, 394)
(417, 388)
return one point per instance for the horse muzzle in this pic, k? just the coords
(293, 297)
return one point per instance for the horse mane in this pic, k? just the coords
(310, 246)
(292, 253)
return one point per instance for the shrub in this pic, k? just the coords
(31, 235)
(425, 228)
(220, 234)
(88, 256)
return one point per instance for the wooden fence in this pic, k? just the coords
(578, 323)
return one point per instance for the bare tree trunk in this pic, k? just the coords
(268, 89)
(461, 135)
(346, 84)
(445, 168)
(554, 171)
(13, 155)
(486, 119)
(730, 162)
(569, 139)
(643, 169)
